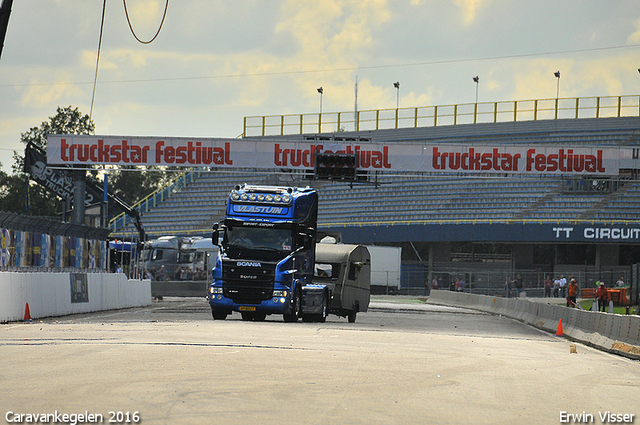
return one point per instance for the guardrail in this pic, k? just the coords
(614, 333)
(431, 116)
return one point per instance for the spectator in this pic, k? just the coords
(547, 287)
(507, 286)
(572, 293)
(148, 274)
(162, 274)
(184, 274)
(199, 274)
(518, 283)
(620, 282)
(563, 286)
(452, 285)
(602, 295)
(434, 282)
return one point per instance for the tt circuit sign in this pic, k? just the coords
(270, 154)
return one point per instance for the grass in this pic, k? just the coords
(586, 304)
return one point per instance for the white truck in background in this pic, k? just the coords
(385, 268)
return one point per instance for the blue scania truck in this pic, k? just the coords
(266, 261)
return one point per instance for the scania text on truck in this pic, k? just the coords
(267, 254)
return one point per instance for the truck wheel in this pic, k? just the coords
(296, 307)
(351, 317)
(218, 315)
(322, 317)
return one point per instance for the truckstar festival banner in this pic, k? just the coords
(270, 154)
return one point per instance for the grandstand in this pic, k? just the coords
(433, 214)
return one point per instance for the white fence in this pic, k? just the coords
(58, 294)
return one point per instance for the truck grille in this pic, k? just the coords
(248, 285)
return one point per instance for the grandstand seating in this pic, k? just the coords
(430, 196)
(193, 209)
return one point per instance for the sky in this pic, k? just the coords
(215, 62)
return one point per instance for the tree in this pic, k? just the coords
(130, 184)
(66, 121)
(36, 200)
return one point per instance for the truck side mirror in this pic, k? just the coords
(308, 241)
(215, 235)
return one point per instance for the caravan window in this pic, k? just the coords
(330, 271)
(353, 269)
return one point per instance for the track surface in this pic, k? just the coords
(398, 364)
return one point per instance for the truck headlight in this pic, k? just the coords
(215, 290)
(280, 293)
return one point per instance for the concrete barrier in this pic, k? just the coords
(58, 294)
(611, 332)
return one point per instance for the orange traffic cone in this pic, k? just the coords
(559, 331)
(27, 313)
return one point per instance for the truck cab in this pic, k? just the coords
(267, 252)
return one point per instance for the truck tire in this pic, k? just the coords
(351, 316)
(218, 315)
(296, 307)
(322, 317)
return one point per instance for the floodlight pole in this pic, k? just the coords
(5, 11)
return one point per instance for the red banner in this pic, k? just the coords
(274, 154)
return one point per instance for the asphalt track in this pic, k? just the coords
(400, 363)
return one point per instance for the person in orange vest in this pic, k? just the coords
(602, 295)
(572, 293)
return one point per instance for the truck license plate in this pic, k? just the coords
(246, 308)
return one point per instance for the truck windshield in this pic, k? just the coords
(262, 243)
(186, 257)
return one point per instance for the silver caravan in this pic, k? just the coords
(346, 271)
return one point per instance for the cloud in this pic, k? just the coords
(635, 36)
(469, 9)
(145, 17)
(56, 90)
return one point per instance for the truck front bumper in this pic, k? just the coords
(274, 305)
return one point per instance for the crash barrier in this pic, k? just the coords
(39, 295)
(614, 333)
(181, 288)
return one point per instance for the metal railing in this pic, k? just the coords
(119, 222)
(431, 116)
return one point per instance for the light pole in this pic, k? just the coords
(476, 79)
(397, 86)
(321, 91)
(557, 74)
